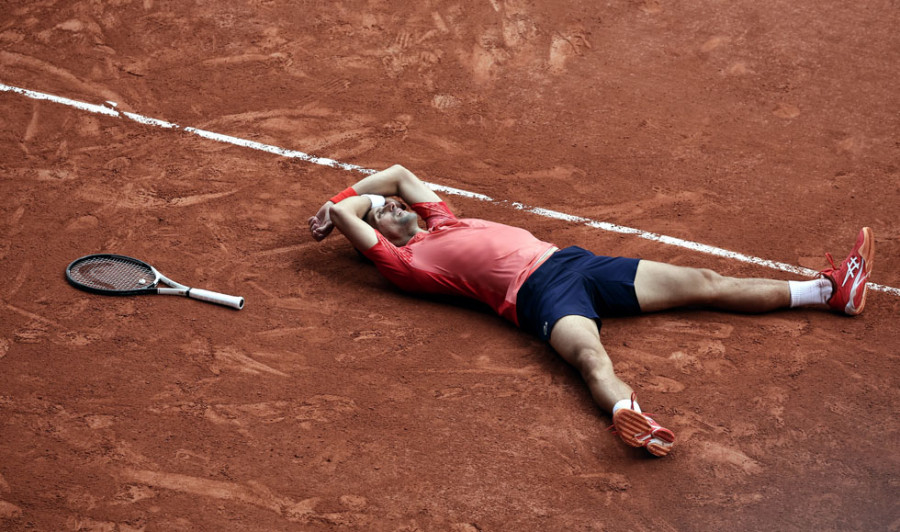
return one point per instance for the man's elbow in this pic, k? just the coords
(340, 214)
(404, 174)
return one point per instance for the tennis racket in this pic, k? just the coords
(119, 275)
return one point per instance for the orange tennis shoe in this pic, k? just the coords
(640, 430)
(850, 279)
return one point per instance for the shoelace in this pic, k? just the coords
(834, 268)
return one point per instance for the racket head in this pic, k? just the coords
(112, 275)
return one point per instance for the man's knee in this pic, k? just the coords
(592, 361)
(708, 285)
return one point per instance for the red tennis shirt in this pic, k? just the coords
(475, 258)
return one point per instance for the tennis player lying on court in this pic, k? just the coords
(558, 294)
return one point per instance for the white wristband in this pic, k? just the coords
(377, 201)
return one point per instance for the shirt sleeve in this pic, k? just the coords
(435, 213)
(395, 263)
(391, 261)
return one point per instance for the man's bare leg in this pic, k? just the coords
(577, 340)
(662, 286)
(659, 286)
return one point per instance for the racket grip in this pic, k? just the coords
(215, 297)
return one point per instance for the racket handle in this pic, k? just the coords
(215, 297)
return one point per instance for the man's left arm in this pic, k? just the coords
(347, 216)
(394, 181)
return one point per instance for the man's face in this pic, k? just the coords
(393, 220)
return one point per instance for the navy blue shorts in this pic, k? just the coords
(574, 281)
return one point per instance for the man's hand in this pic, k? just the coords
(320, 225)
(395, 181)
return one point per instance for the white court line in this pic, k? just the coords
(109, 110)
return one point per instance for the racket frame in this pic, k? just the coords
(174, 289)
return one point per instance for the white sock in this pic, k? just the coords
(626, 403)
(815, 292)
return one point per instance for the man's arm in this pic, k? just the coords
(395, 181)
(347, 217)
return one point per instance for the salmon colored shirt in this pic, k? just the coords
(475, 258)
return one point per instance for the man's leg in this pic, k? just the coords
(662, 286)
(577, 340)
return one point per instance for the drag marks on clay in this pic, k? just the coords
(293, 249)
(786, 110)
(40, 329)
(186, 201)
(15, 221)
(8, 510)
(410, 50)
(660, 384)
(721, 449)
(307, 335)
(729, 500)
(443, 102)
(651, 7)
(31, 129)
(132, 493)
(791, 328)
(772, 400)
(721, 455)
(243, 59)
(517, 25)
(612, 483)
(12, 60)
(255, 494)
(15, 284)
(249, 418)
(323, 409)
(225, 359)
(318, 409)
(246, 416)
(518, 41)
(565, 46)
(674, 328)
(713, 43)
(230, 358)
(296, 122)
(82, 224)
(739, 68)
(90, 436)
(705, 357)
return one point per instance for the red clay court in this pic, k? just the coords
(334, 402)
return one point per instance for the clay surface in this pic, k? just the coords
(332, 401)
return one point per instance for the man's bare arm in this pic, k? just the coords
(397, 181)
(347, 217)
(394, 181)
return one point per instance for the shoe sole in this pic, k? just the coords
(867, 252)
(630, 423)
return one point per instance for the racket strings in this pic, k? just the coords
(111, 273)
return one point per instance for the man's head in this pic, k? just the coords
(394, 221)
